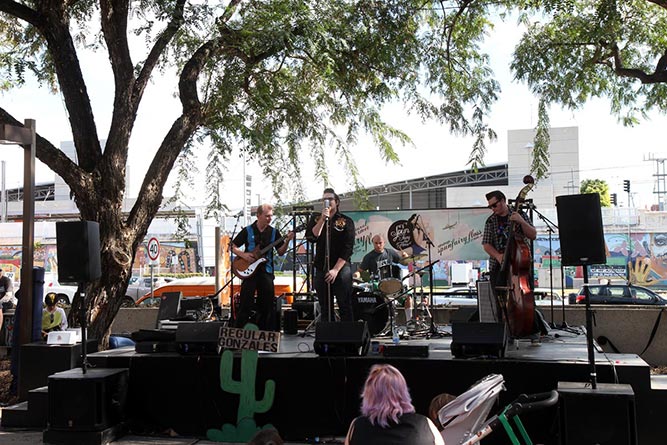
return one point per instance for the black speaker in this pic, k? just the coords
(195, 337)
(345, 338)
(580, 229)
(290, 319)
(474, 339)
(604, 416)
(78, 246)
(87, 402)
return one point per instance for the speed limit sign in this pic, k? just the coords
(153, 249)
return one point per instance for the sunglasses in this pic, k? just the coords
(494, 205)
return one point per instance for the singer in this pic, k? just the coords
(332, 275)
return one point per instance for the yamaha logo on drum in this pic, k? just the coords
(366, 300)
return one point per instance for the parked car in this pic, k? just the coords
(205, 287)
(64, 293)
(618, 294)
(140, 286)
(467, 296)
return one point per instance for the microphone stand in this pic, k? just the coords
(327, 265)
(550, 230)
(433, 330)
(231, 280)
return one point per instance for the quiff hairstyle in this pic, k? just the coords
(262, 208)
(500, 196)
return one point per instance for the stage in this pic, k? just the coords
(319, 396)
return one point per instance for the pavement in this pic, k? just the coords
(12, 436)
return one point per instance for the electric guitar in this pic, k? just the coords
(245, 269)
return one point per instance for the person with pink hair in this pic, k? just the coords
(387, 415)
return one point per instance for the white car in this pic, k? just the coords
(64, 293)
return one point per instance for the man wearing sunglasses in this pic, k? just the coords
(496, 231)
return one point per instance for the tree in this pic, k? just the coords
(278, 78)
(581, 49)
(598, 186)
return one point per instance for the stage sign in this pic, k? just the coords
(253, 340)
(456, 234)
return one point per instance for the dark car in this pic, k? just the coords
(618, 294)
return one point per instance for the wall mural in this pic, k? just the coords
(457, 237)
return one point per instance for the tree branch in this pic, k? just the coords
(157, 50)
(53, 24)
(661, 3)
(20, 11)
(644, 77)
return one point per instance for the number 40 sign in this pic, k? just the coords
(153, 249)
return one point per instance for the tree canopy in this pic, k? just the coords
(598, 186)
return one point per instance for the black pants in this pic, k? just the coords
(341, 289)
(264, 305)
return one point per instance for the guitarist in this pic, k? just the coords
(496, 232)
(255, 237)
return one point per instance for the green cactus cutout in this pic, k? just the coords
(245, 388)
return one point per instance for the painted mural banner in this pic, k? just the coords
(456, 234)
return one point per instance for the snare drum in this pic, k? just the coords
(390, 280)
(373, 308)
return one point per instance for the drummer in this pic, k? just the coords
(379, 263)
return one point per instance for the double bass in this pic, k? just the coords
(517, 262)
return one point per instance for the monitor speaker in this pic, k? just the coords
(290, 322)
(87, 402)
(345, 338)
(605, 415)
(580, 229)
(78, 247)
(195, 337)
(477, 339)
(170, 306)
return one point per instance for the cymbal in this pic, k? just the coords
(411, 259)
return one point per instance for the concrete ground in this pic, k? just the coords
(33, 437)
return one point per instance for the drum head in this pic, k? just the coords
(390, 286)
(373, 309)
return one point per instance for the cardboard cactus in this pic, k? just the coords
(245, 387)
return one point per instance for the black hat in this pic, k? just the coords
(50, 299)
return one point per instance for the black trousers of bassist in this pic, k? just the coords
(262, 283)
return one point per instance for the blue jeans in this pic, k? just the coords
(341, 289)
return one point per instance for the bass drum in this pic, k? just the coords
(373, 308)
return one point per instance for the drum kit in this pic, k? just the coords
(375, 299)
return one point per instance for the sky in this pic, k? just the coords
(608, 150)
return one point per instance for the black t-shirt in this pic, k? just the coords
(341, 239)
(374, 262)
(411, 429)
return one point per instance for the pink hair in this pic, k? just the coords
(385, 395)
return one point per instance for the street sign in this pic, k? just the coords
(153, 249)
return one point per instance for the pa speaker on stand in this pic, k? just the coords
(78, 246)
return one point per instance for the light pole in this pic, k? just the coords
(25, 136)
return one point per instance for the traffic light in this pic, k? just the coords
(614, 201)
(626, 185)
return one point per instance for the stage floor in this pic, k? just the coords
(319, 396)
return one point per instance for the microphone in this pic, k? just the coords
(327, 205)
(240, 214)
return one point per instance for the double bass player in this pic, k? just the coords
(506, 239)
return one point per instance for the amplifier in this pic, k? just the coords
(405, 351)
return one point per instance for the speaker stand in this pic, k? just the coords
(589, 330)
(84, 327)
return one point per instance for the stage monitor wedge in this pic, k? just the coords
(580, 230)
(78, 246)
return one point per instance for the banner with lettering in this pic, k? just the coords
(456, 234)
